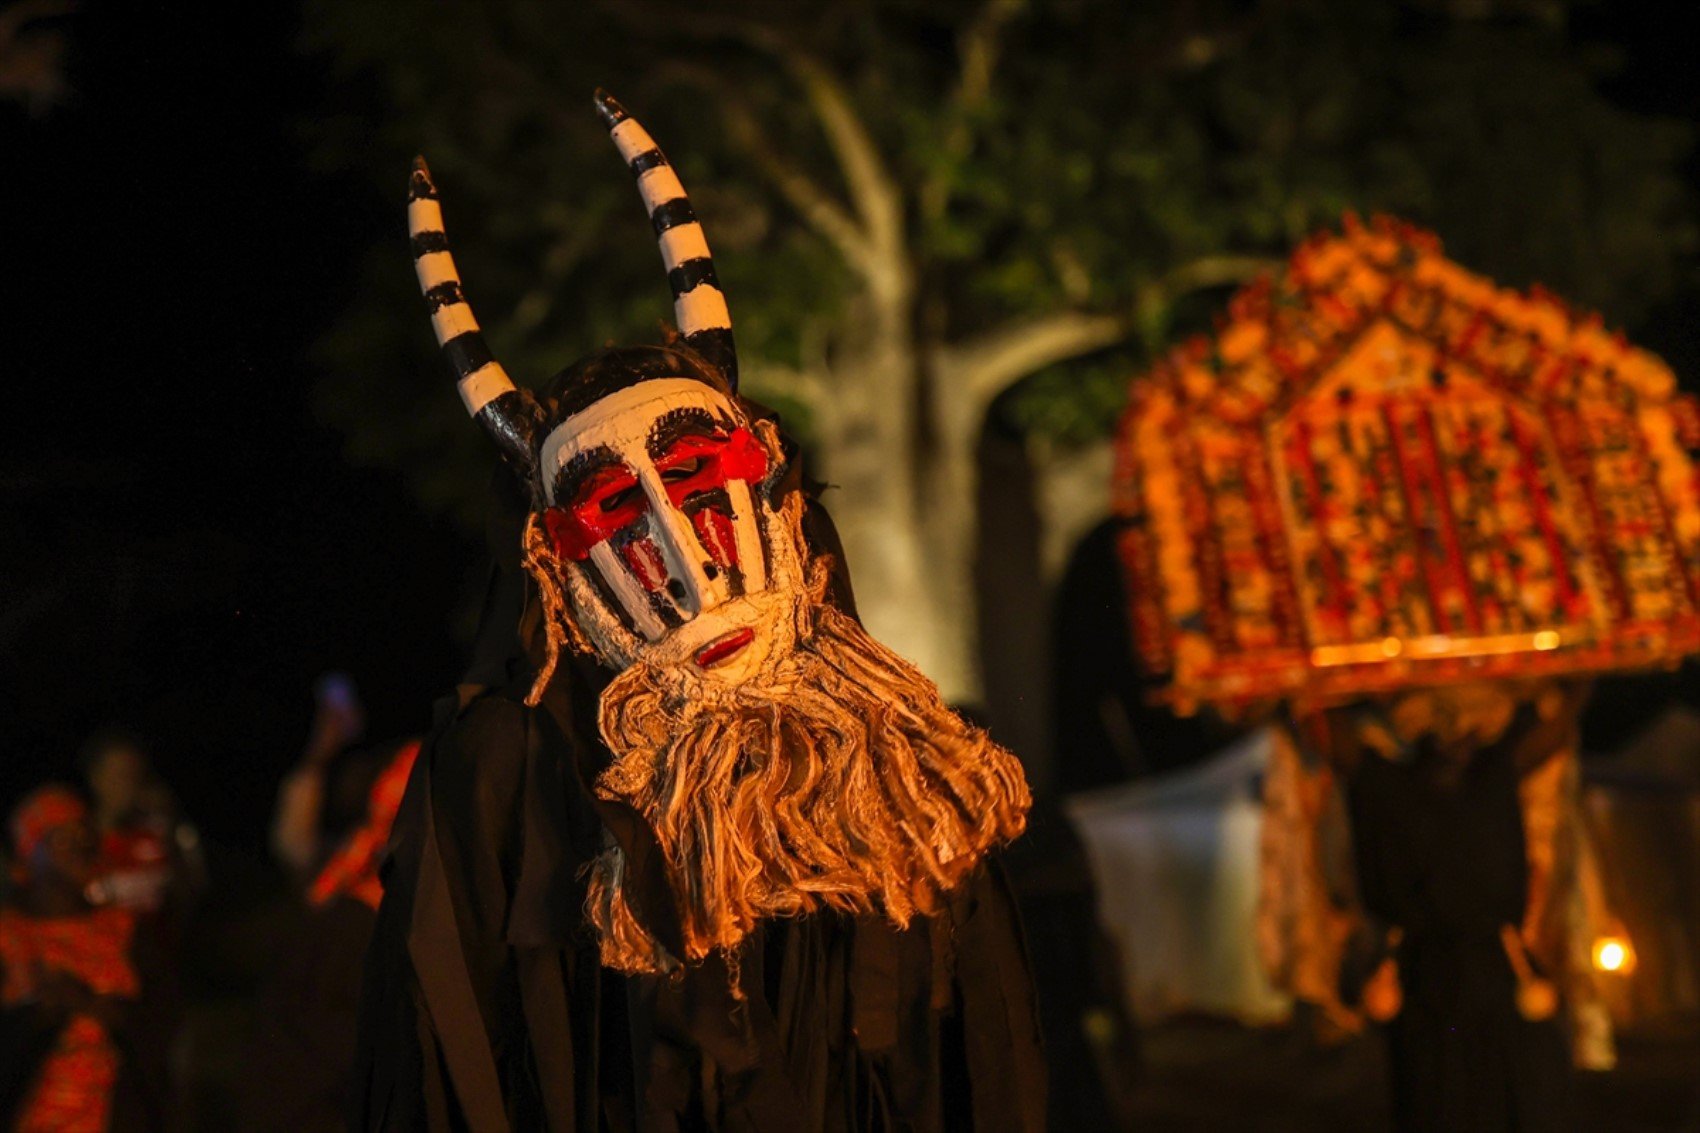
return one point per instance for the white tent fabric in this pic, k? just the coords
(1176, 864)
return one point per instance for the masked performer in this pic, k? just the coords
(690, 850)
(1454, 947)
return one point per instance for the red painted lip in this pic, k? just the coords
(721, 648)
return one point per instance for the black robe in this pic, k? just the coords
(1446, 862)
(485, 1006)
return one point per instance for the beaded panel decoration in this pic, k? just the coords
(1383, 470)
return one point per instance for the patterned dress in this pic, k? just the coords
(74, 1086)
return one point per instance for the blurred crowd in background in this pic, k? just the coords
(118, 946)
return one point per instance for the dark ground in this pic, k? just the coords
(1191, 1073)
(1202, 1074)
(1209, 1074)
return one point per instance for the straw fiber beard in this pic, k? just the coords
(833, 778)
(839, 780)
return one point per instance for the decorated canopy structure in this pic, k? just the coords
(1384, 470)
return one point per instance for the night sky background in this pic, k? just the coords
(185, 546)
(191, 549)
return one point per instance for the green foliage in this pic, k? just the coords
(1115, 143)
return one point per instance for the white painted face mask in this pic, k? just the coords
(658, 513)
(658, 516)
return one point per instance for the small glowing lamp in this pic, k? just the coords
(1614, 954)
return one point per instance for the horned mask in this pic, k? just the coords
(652, 487)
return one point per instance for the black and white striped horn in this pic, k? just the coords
(509, 414)
(699, 306)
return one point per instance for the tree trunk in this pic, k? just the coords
(904, 512)
(907, 521)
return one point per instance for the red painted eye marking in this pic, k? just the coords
(643, 559)
(744, 458)
(697, 463)
(566, 534)
(605, 504)
(611, 500)
(714, 531)
(701, 463)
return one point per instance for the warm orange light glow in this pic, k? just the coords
(1266, 473)
(1614, 954)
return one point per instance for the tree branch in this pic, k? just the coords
(875, 194)
(1214, 271)
(811, 201)
(978, 46)
(802, 385)
(817, 207)
(1155, 301)
(979, 370)
(877, 197)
